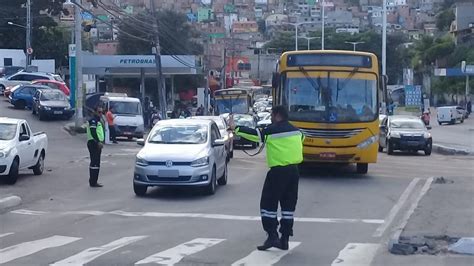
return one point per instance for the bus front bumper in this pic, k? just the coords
(351, 154)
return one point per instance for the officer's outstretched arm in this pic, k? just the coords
(250, 134)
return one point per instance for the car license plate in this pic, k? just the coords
(127, 133)
(412, 143)
(58, 112)
(168, 173)
(328, 155)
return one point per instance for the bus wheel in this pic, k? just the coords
(362, 168)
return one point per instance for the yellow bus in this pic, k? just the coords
(333, 97)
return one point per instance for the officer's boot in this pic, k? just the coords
(284, 241)
(272, 241)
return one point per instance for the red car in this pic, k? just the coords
(54, 84)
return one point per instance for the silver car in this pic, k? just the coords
(225, 133)
(181, 152)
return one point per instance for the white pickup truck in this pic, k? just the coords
(20, 149)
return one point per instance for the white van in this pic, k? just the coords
(128, 114)
(449, 114)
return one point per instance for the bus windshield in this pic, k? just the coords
(232, 105)
(331, 97)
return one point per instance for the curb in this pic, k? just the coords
(72, 130)
(444, 150)
(9, 202)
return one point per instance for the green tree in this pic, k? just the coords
(176, 35)
(48, 40)
(444, 19)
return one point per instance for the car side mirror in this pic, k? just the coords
(141, 142)
(24, 137)
(218, 142)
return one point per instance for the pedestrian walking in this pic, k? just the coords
(111, 124)
(284, 152)
(95, 139)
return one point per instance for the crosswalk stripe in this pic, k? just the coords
(6, 234)
(90, 254)
(268, 257)
(176, 254)
(28, 248)
(356, 254)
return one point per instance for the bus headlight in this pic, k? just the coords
(366, 143)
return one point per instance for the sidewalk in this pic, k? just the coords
(453, 139)
(444, 214)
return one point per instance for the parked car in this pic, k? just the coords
(9, 70)
(247, 121)
(24, 77)
(54, 84)
(20, 149)
(405, 133)
(265, 122)
(9, 90)
(226, 133)
(51, 103)
(181, 152)
(449, 114)
(23, 96)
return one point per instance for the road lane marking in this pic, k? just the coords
(268, 257)
(27, 248)
(412, 208)
(201, 216)
(356, 254)
(90, 254)
(396, 208)
(176, 254)
(6, 234)
(28, 212)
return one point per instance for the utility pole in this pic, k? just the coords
(384, 37)
(28, 33)
(78, 42)
(159, 71)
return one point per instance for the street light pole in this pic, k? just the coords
(354, 44)
(78, 51)
(296, 25)
(28, 32)
(308, 39)
(384, 37)
(322, 24)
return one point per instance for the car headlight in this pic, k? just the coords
(46, 108)
(5, 153)
(141, 162)
(366, 143)
(200, 162)
(394, 134)
(427, 135)
(67, 107)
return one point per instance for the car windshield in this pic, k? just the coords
(332, 97)
(407, 124)
(126, 108)
(244, 121)
(52, 96)
(179, 134)
(232, 105)
(7, 131)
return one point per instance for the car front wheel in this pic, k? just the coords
(389, 147)
(362, 168)
(223, 180)
(13, 174)
(211, 188)
(140, 190)
(428, 149)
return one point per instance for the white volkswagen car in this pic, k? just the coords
(181, 152)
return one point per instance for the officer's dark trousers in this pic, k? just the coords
(94, 166)
(281, 186)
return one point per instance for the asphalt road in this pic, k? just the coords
(344, 218)
(459, 135)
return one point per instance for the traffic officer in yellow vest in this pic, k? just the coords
(284, 145)
(95, 139)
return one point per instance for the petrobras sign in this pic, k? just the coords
(137, 61)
